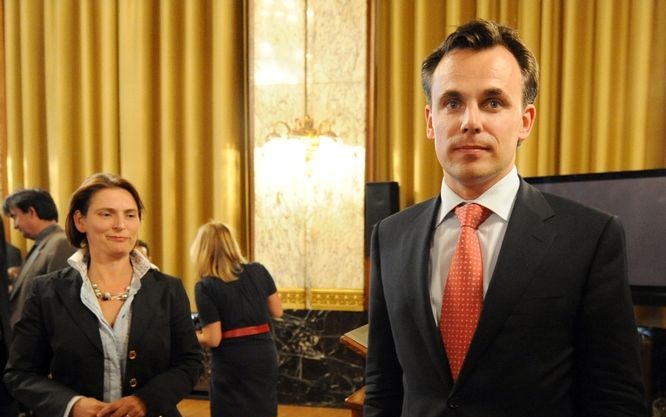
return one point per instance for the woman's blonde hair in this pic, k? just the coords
(215, 252)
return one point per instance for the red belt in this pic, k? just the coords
(246, 331)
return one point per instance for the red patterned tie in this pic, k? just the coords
(463, 295)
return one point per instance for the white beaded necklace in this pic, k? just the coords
(107, 296)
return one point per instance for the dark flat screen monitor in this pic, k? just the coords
(638, 198)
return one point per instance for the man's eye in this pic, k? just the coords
(494, 103)
(452, 104)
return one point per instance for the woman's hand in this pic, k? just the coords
(130, 406)
(86, 407)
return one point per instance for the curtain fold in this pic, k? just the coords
(155, 90)
(152, 90)
(602, 85)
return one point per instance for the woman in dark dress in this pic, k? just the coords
(235, 300)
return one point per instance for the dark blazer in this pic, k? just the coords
(7, 406)
(49, 255)
(556, 337)
(58, 335)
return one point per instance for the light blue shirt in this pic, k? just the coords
(499, 199)
(114, 338)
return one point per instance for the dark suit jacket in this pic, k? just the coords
(49, 255)
(6, 401)
(58, 335)
(556, 337)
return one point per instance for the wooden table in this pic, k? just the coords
(356, 340)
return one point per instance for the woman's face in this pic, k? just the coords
(111, 224)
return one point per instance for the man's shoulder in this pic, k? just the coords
(566, 213)
(57, 240)
(566, 206)
(57, 233)
(412, 213)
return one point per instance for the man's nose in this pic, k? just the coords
(471, 120)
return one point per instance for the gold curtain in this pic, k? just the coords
(603, 85)
(150, 89)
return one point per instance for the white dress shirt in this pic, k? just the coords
(499, 199)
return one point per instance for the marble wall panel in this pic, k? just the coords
(308, 217)
(315, 368)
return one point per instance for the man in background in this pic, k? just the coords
(35, 215)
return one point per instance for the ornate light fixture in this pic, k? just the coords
(304, 128)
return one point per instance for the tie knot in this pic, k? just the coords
(471, 215)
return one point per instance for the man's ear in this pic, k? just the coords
(528, 118)
(32, 212)
(430, 131)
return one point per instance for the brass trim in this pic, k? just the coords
(323, 299)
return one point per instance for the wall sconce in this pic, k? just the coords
(310, 180)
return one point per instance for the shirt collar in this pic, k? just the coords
(47, 231)
(499, 198)
(140, 264)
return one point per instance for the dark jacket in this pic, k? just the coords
(58, 335)
(49, 255)
(556, 337)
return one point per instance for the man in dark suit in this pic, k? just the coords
(554, 335)
(7, 403)
(35, 214)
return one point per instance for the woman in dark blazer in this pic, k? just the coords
(109, 335)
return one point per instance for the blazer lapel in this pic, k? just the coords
(69, 290)
(526, 241)
(26, 269)
(416, 249)
(144, 306)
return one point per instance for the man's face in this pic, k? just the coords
(27, 222)
(476, 117)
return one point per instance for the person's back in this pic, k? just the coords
(242, 302)
(235, 301)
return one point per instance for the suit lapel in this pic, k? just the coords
(144, 307)
(416, 249)
(26, 268)
(69, 290)
(525, 243)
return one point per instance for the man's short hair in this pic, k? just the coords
(483, 34)
(36, 198)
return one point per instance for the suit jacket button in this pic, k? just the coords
(453, 404)
(133, 383)
(132, 354)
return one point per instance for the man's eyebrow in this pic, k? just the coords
(449, 94)
(494, 92)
